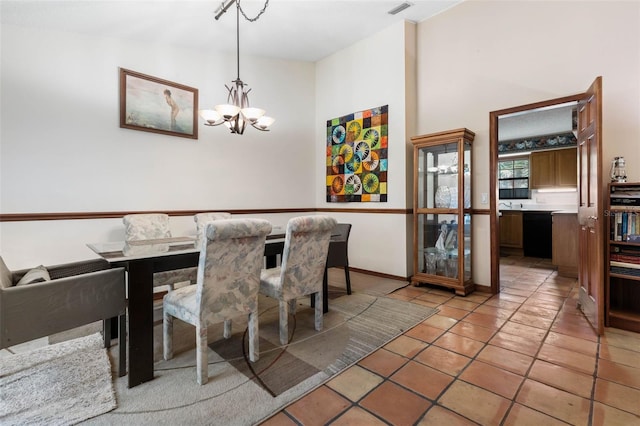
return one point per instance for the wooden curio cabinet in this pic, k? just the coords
(442, 210)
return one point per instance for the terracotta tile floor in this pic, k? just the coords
(524, 357)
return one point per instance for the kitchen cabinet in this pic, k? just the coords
(565, 243)
(511, 229)
(622, 271)
(553, 169)
(442, 210)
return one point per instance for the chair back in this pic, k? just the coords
(338, 255)
(146, 226)
(202, 219)
(229, 267)
(305, 255)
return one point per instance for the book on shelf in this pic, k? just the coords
(615, 208)
(625, 271)
(629, 249)
(625, 226)
(625, 258)
(625, 265)
(625, 196)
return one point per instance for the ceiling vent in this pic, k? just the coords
(400, 8)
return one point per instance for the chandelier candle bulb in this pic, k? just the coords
(264, 122)
(252, 114)
(210, 117)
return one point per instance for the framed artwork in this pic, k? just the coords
(356, 159)
(155, 105)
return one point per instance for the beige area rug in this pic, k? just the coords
(243, 393)
(58, 384)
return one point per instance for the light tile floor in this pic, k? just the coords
(526, 356)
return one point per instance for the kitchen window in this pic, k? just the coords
(513, 178)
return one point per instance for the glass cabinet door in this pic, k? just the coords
(438, 177)
(466, 253)
(466, 171)
(438, 244)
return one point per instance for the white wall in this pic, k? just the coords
(62, 149)
(60, 121)
(483, 56)
(371, 73)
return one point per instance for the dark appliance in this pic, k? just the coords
(536, 234)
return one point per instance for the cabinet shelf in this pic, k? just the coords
(624, 243)
(624, 319)
(442, 235)
(624, 276)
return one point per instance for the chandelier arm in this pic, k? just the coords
(216, 123)
(223, 9)
(266, 3)
(238, 37)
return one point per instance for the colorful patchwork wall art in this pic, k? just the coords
(357, 157)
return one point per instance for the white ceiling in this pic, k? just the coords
(306, 30)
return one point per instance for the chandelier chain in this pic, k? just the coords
(266, 3)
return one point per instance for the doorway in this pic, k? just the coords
(590, 190)
(527, 117)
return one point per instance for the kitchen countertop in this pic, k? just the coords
(539, 210)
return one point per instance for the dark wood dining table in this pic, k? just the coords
(141, 260)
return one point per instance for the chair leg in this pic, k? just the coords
(284, 322)
(122, 345)
(347, 278)
(293, 306)
(254, 345)
(202, 358)
(167, 336)
(318, 311)
(106, 332)
(227, 329)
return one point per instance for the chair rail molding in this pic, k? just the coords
(25, 217)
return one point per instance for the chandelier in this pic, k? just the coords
(236, 113)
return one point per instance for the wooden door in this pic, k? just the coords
(590, 206)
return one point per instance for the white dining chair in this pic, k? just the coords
(227, 286)
(302, 269)
(202, 219)
(148, 226)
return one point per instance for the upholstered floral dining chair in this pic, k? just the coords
(302, 268)
(149, 226)
(202, 219)
(228, 283)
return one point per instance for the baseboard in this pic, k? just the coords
(379, 274)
